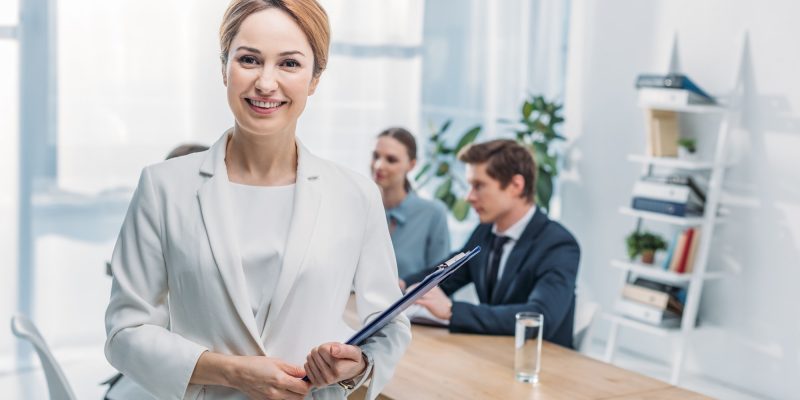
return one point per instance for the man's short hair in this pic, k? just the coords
(504, 158)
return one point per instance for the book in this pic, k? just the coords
(684, 257)
(670, 251)
(662, 287)
(652, 297)
(669, 81)
(670, 97)
(686, 180)
(665, 207)
(689, 267)
(662, 133)
(666, 191)
(644, 313)
(677, 251)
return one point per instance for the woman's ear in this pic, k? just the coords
(412, 164)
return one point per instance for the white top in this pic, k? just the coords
(513, 233)
(262, 217)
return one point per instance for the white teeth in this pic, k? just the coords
(264, 104)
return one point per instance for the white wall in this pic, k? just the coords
(751, 334)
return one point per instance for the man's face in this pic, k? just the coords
(489, 200)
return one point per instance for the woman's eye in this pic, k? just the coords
(290, 63)
(391, 160)
(248, 60)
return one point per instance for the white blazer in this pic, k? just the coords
(179, 288)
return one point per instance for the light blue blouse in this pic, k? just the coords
(419, 234)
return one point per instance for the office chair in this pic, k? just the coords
(585, 313)
(57, 384)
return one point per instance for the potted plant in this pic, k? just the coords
(646, 244)
(687, 148)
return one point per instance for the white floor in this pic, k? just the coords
(655, 369)
(86, 368)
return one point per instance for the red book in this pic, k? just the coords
(685, 253)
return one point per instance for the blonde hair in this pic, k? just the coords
(308, 14)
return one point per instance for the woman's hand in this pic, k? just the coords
(268, 378)
(334, 362)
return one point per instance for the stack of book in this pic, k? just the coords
(682, 251)
(652, 302)
(672, 195)
(670, 90)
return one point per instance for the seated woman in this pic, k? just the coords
(418, 227)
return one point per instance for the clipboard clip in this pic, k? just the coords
(452, 260)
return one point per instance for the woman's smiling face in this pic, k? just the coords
(269, 73)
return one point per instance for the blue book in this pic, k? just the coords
(670, 81)
(670, 251)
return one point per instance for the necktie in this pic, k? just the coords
(494, 262)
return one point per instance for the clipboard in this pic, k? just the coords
(442, 272)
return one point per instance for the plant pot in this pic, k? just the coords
(684, 154)
(648, 256)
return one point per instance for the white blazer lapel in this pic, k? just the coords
(215, 205)
(307, 199)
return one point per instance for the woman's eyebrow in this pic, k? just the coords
(283, 54)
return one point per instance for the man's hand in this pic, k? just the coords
(437, 303)
(334, 362)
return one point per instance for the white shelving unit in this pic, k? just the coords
(693, 281)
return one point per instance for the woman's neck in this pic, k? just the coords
(392, 197)
(261, 161)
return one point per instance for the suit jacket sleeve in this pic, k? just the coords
(551, 296)
(138, 343)
(376, 289)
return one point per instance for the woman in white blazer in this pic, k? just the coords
(211, 300)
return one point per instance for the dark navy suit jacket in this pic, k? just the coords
(539, 276)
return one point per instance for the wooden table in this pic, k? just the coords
(441, 365)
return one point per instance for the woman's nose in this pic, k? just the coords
(267, 81)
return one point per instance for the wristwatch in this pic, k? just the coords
(350, 384)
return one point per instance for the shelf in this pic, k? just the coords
(690, 108)
(671, 162)
(656, 273)
(652, 216)
(642, 326)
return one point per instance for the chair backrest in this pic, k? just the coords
(585, 312)
(57, 384)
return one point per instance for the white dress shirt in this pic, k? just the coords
(513, 233)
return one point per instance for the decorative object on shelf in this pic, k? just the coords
(439, 167)
(687, 149)
(536, 129)
(662, 133)
(646, 244)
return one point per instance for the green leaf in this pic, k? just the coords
(527, 109)
(443, 169)
(445, 126)
(539, 103)
(449, 199)
(444, 189)
(422, 172)
(468, 138)
(544, 189)
(460, 209)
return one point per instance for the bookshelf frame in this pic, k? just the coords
(693, 281)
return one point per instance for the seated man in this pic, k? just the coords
(527, 262)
